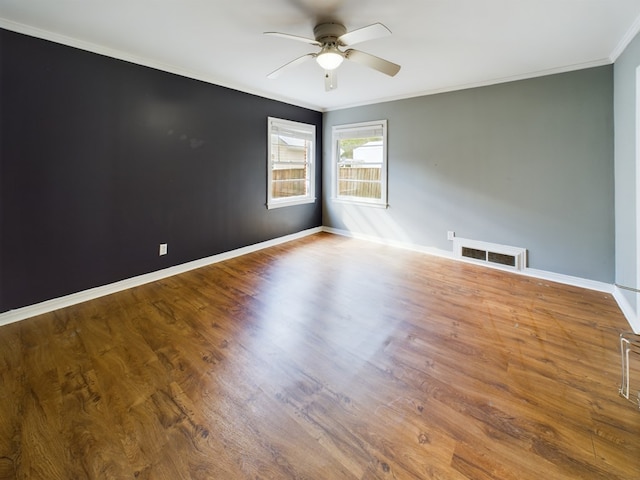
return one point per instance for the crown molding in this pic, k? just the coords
(625, 40)
(146, 62)
(484, 83)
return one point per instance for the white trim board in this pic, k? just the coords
(479, 84)
(138, 60)
(391, 243)
(633, 319)
(57, 303)
(624, 42)
(147, 62)
(528, 272)
(627, 309)
(68, 300)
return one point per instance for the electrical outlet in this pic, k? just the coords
(163, 249)
(451, 235)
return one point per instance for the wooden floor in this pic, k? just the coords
(325, 358)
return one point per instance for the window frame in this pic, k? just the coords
(309, 130)
(336, 134)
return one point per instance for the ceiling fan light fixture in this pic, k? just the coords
(329, 37)
(330, 57)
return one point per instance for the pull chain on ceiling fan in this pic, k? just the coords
(330, 37)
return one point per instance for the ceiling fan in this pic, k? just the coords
(330, 37)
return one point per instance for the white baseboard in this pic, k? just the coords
(632, 316)
(50, 305)
(569, 280)
(529, 272)
(391, 243)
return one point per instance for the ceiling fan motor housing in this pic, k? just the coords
(329, 32)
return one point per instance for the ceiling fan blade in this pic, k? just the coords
(293, 63)
(371, 61)
(294, 37)
(370, 32)
(330, 80)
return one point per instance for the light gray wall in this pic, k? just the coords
(627, 243)
(527, 163)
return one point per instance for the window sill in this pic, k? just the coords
(288, 203)
(362, 203)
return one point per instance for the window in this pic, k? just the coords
(291, 165)
(360, 162)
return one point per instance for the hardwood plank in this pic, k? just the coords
(326, 357)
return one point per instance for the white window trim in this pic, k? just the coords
(301, 199)
(336, 129)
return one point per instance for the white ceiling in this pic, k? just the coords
(441, 44)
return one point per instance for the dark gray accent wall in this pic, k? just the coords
(626, 174)
(102, 160)
(526, 163)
